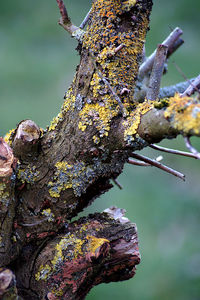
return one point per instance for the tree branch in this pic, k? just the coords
(87, 250)
(170, 41)
(66, 23)
(157, 72)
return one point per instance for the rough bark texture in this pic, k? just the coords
(56, 173)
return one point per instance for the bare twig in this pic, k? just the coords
(193, 87)
(116, 182)
(66, 23)
(169, 41)
(191, 148)
(157, 72)
(138, 163)
(172, 151)
(157, 164)
(85, 19)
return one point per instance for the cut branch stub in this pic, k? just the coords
(26, 140)
(8, 289)
(95, 249)
(6, 159)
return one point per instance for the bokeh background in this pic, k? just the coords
(37, 61)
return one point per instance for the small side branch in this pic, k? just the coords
(193, 87)
(157, 72)
(191, 148)
(157, 164)
(172, 151)
(85, 21)
(169, 41)
(66, 23)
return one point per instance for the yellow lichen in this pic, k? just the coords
(8, 137)
(48, 213)
(65, 242)
(43, 272)
(96, 139)
(132, 123)
(99, 114)
(68, 104)
(184, 113)
(94, 243)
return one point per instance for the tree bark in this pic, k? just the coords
(59, 171)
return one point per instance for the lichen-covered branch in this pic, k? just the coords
(99, 248)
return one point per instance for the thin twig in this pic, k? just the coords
(85, 19)
(66, 23)
(138, 163)
(157, 164)
(157, 72)
(185, 77)
(169, 41)
(191, 148)
(193, 87)
(116, 182)
(172, 151)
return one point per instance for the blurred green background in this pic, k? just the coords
(38, 60)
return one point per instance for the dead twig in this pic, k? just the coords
(191, 148)
(85, 21)
(66, 23)
(116, 182)
(172, 151)
(157, 164)
(193, 87)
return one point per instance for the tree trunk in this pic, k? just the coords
(48, 176)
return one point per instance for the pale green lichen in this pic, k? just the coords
(68, 176)
(65, 242)
(28, 174)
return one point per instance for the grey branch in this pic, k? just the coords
(157, 72)
(169, 41)
(169, 91)
(193, 87)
